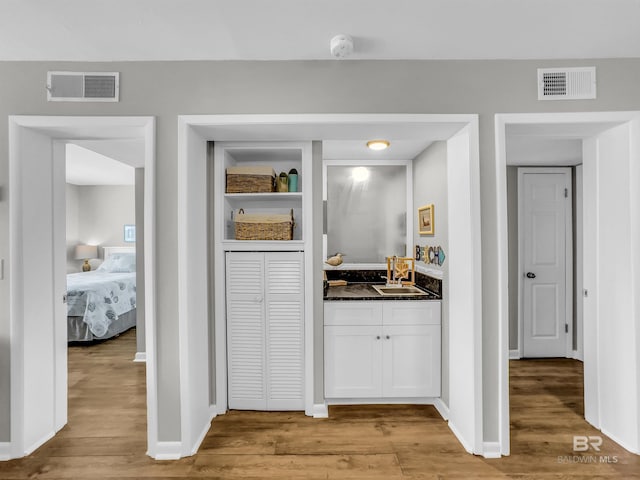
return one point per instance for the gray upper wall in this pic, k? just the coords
(168, 89)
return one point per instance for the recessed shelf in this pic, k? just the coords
(264, 196)
(262, 245)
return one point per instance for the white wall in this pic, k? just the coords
(615, 334)
(96, 215)
(430, 186)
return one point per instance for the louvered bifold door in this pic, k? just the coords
(284, 305)
(246, 331)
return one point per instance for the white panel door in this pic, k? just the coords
(246, 331)
(284, 302)
(545, 199)
(411, 361)
(353, 361)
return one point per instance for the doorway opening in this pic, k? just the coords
(39, 375)
(604, 144)
(196, 132)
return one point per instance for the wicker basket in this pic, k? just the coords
(264, 226)
(251, 179)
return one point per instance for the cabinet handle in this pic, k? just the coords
(258, 299)
(388, 337)
(377, 337)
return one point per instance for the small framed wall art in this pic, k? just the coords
(129, 233)
(425, 220)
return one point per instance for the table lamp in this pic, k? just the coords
(85, 252)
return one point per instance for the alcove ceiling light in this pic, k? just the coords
(378, 144)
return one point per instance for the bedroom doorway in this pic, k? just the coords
(104, 209)
(39, 380)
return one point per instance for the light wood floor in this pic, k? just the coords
(106, 434)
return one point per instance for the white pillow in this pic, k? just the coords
(119, 263)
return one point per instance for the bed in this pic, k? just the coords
(102, 303)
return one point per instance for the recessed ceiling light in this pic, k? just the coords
(378, 144)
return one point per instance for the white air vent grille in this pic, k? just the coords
(83, 86)
(566, 83)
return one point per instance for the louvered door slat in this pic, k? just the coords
(245, 332)
(285, 337)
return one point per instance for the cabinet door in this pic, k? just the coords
(246, 354)
(411, 361)
(284, 307)
(353, 356)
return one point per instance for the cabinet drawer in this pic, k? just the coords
(353, 313)
(411, 313)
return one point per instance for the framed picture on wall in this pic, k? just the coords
(425, 220)
(129, 233)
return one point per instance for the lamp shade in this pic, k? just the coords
(84, 252)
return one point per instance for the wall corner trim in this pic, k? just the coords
(5, 451)
(514, 354)
(140, 357)
(465, 443)
(491, 450)
(200, 439)
(166, 451)
(442, 408)
(320, 410)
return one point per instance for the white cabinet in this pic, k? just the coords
(265, 330)
(353, 361)
(382, 349)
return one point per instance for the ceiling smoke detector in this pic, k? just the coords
(341, 46)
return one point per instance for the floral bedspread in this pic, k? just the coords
(100, 297)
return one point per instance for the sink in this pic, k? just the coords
(395, 291)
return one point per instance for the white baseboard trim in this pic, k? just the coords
(442, 409)
(198, 442)
(38, 443)
(621, 443)
(383, 401)
(5, 451)
(320, 410)
(167, 451)
(140, 357)
(491, 450)
(461, 439)
(577, 355)
(514, 354)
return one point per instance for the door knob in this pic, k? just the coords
(531, 275)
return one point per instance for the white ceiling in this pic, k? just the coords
(80, 30)
(87, 167)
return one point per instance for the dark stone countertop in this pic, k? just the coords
(365, 291)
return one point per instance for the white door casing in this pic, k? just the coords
(463, 179)
(38, 266)
(544, 227)
(611, 175)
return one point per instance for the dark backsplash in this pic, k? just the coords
(375, 276)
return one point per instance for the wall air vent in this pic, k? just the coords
(566, 83)
(83, 86)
